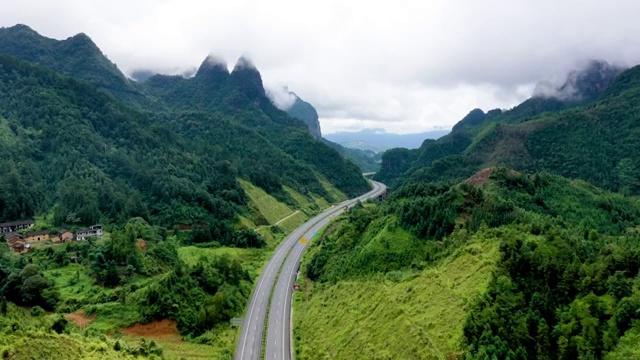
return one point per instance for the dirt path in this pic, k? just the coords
(279, 221)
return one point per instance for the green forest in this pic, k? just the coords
(75, 152)
(195, 182)
(565, 284)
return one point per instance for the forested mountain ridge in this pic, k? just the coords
(77, 56)
(477, 261)
(84, 145)
(595, 141)
(84, 155)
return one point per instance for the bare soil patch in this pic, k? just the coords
(480, 178)
(165, 329)
(80, 318)
(141, 244)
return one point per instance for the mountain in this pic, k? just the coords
(367, 161)
(80, 144)
(378, 140)
(72, 150)
(77, 56)
(582, 85)
(592, 140)
(306, 112)
(512, 237)
(297, 108)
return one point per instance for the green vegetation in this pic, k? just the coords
(595, 139)
(555, 275)
(515, 262)
(268, 207)
(81, 144)
(35, 335)
(400, 314)
(366, 160)
(134, 276)
(75, 152)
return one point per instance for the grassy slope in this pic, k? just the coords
(420, 317)
(33, 339)
(268, 207)
(276, 218)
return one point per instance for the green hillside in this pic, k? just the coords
(595, 139)
(81, 144)
(539, 267)
(81, 153)
(409, 314)
(76, 56)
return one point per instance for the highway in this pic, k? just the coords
(279, 330)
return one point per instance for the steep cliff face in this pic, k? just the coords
(307, 113)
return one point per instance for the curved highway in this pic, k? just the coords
(279, 331)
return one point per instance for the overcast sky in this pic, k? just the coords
(405, 66)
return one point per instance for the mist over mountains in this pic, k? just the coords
(580, 85)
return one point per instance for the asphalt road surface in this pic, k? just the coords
(279, 330)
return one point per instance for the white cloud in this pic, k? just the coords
(281, 97)
(405, 66)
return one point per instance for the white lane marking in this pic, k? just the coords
(274, 258)
(315, 221)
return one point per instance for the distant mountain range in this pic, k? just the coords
(377, 140)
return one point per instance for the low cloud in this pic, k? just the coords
(406, 67)
(590, 76)
(281, 97)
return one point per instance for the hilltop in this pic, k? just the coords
(593, 138)
(122, 160)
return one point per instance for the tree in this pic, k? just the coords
(32, 290)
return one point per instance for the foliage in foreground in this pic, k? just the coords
(32, 334)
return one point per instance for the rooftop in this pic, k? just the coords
(18, 222)
(36, 233)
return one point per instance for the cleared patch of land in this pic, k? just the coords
(80, 318)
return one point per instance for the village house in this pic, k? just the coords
(15, 226)
(61, 236)
(36, 236)
(83, 234)
(64, 236)
(22, 242)
(15, 242)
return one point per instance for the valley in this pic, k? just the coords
(204, 215)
